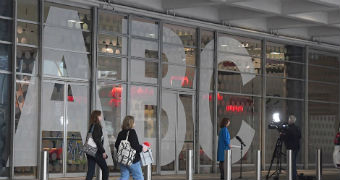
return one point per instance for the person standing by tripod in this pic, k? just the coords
(223, 143)
(291, 137)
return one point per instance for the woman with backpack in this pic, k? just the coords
(97, 135)
(129, 134)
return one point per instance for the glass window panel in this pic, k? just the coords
(67, 17)
(207, 40)
(206, 113)
(112, 44)
(285, 69)
(173, 33)
(144, 71)
(179, 76)
(242, 110)
(27, 33)
(316, 73)
(27, 59)
(323, 92)
(109, 22)
(28, 9)
(179, 55)
(5, 57)
(239, 83)
(207, 79)
(112, 68)
(26, 126)
(5, 121)
(66, 64)
(239, 46)
(6, 7)
(5, 30)
(278, 87)
(207, 49)
(323, 124)
(244, 64)
(144, 48)
(143, 106)
(113, 104)
(285, 108)
(324, 59)
(144, 28)
(284, 52)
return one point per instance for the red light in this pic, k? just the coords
(116, 93)
(70, 98)
(234, 108)
(184, 79)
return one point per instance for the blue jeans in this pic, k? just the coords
(135, 169)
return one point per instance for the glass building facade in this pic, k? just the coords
(60, 61)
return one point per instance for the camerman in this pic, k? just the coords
(291, 136)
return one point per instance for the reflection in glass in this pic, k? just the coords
(28, 10)
(144, 28)
(250, 65)
(323, 124)
(109, 22)
(206, 113)
(5, 57)
(206, 79)
(144, 48)
(179, 76)
(278, 87)
(5, 29)
(77, 120)
(5, 111)
(239, 83)
(26, 126)
(240, 46)
(113, 104)
(144, 71)
(112, 44)
(68, 17)
(207, 38)
(323, 59)
(323, 74)
(27, 59)
(112, 68)
(284, 52)
(323, 92)
(27, 33)
(186, 35)
(6, 8)
(285, 69)
(241, 109)
(207, 49)
(284, 108)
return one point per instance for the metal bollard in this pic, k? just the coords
(44, 165)
(258, 165)
(148, 172)
(189, 164)
(99, 173)
(290, 164)
(318, 166)
(227, 164)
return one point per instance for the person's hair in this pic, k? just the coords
(94, 118)
(128, 122)
(292, 119)
(224, 122)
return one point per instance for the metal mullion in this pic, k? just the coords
(145, 59)
(93, 85)
(27, 21)
(128, 77)
(64, 50)
(306, 112)
(214, 154)
(111, 33)
(322, 66)
(239, 72)
(238, 94)
(196, 104)
(40, 85)
(13, 91)
(176, 134)
(263, 106)
(284, 61)
(143, 38)
(323, 102)
(324, 83)
(64, 153)
(6, 18)
(159, 98)
(5, 42)
(289, 78)
(27, 45)
(5, 72)
(285, 98)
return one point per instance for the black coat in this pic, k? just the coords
(97, 137)
(292, 137)
(133, 139)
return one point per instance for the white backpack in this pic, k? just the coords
(125, 154)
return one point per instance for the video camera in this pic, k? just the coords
(281, 127)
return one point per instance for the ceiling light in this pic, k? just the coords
(224, 45)
(275, 53)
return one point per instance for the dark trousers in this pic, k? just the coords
(295, 153)
(222, 169)
(91, 165)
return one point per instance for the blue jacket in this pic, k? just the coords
(223, 143)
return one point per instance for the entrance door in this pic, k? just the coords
(177, 130)
(64, 123)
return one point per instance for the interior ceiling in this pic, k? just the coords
(316, 20)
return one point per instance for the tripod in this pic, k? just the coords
(241, 161)
(277, 154)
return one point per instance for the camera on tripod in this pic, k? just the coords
(277, 124)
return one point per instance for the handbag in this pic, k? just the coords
(126, 154)
(90, 147)
(146, 157)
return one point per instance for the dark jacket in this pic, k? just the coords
(292, 137)
(133, 139)
(97, 137)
